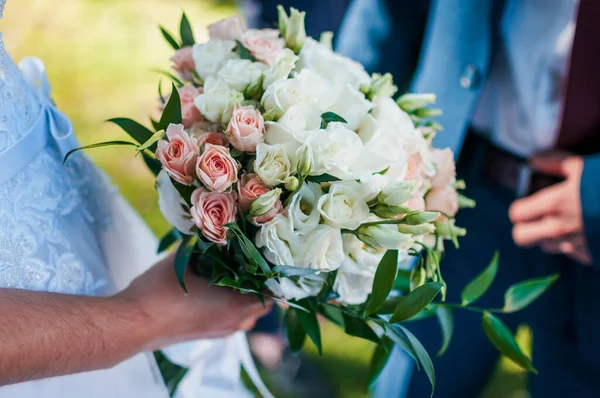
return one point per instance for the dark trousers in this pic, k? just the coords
(565, 321)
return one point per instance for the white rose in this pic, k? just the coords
(172, 206)
(281, 68)
(293, 128)
(318, 90)
(277, 240)
(218, 100)
(276, 134)
(321, 249)
(240, 73)
(354, 281)
(334, 150)
(352, 105)
(301, 119)
(384, 134)
(344, 205)
(332, 66)
(227, 29)
(374, 183)
(303, 210)
(209, 57)
(291, 290)
(280, 96)
(272, 165)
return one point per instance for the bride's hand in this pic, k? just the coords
(205, 312)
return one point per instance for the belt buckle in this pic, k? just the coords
(524, 180)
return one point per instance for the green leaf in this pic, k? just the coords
(383, 282)
(230, 282)
(169, 38)
(415, 301)
(521, 294)
(308, 273)
(408, 342)
(171, 76)
(402, 281)
(329, 117)
(502, 338)
(389, 305)
(243, 52)
(379, 359)
(98, 145)
(135, 130)
(478, 286)
(184, 190)
(151, 143)
(296, 335)
(334, 314)
(152, 164)
(250, 251)
(154, 124)
(446, 320)
(204, 246)
(167, 241)
(310, 323)
(172, 111)
(187, 34)
(322, 178)
(359, 328)
(182, 258)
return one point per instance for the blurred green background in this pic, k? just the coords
(99, 55)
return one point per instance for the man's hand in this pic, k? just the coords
(552, 218)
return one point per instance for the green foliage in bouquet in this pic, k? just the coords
(397, 296)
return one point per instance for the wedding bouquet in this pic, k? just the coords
(288, 171)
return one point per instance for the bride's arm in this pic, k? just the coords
(48, 334)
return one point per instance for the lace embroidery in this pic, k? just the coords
(41, 208)
(19, 105)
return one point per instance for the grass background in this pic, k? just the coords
(99, 55)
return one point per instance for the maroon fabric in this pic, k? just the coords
(580, 122)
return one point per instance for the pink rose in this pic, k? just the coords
(212, 137)
(416, 203)
(246, 128)
(250, 188)
(178, 155)
(414, 168)
(227, 29)
(211, 211)
(264, 44)
(216, 168)
(444, 200)
(445, 168)
(183, 62)
(268, 216)
(189, 113)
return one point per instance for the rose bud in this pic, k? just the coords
(264, 202)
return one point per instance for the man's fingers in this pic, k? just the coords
(537, 205)
(553, 163)
(531, 233)
(558, 246)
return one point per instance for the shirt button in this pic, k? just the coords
(470, 77)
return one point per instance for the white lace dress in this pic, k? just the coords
(65, 228)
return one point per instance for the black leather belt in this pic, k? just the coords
(508, 170)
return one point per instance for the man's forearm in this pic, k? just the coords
(47, 334)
